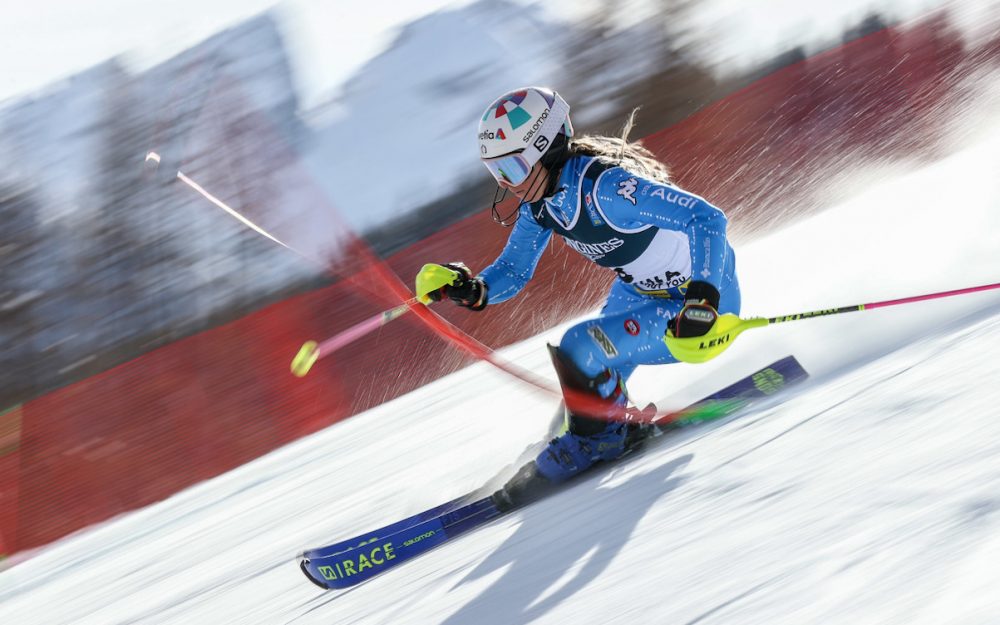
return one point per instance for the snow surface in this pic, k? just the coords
(869, 495)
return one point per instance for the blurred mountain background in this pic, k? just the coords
(104, 259)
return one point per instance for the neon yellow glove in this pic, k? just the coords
(698, 318)
(452, 280)
(698, 349)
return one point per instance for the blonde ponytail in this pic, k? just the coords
(632, 157)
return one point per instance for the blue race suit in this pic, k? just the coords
(656, 237)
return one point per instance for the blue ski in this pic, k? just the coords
(759, 385)
(392, 528)
(350, 562)
(349, 567)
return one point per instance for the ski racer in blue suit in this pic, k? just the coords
(612, 202)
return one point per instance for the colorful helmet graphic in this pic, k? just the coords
(517, 129)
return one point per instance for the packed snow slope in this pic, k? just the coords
(869, 495)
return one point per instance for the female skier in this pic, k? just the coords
(612, 202)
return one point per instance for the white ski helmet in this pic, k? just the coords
(518, 128)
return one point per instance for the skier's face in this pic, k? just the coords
(533, 187)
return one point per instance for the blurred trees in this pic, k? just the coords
(653, 64)
(102, 260)
(21, 238)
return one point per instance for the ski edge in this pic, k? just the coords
(350, 567)
(392, 528)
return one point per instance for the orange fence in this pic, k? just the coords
(206, 404)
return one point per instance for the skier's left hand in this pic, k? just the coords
(699, 314)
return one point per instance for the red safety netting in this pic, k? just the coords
(203, 405)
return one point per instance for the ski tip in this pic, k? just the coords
(304, 566)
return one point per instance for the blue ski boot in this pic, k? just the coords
(596, 429)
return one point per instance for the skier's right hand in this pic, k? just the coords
(452, 280)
